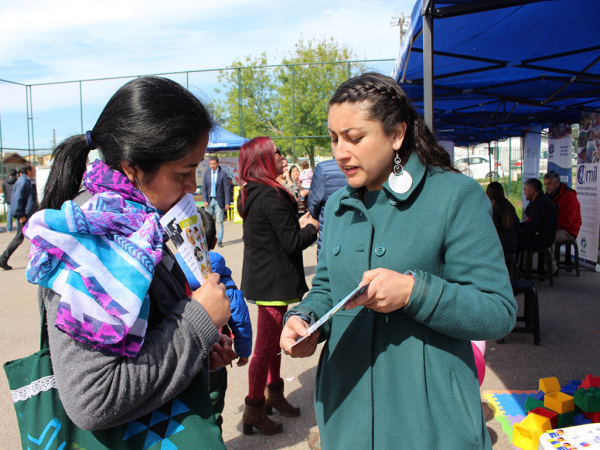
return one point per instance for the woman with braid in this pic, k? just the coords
(397, 368)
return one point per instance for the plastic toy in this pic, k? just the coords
(590, 381)
(550, 384)
(478, 352)
(588, 399)
(559, 402)
(526, 435)
(547, 413)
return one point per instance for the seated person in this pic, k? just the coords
(539, 230)
(505, 217)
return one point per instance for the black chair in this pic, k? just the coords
(544, 268)
(531, 312)
(568, 264)
(510, 259)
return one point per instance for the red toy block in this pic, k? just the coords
(547, 413)
(590, 381)
(594, 417)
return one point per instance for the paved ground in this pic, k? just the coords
(570, 348)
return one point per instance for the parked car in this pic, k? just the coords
(478, 167)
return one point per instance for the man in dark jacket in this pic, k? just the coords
(23, 204)
(539, 230)
(327, 178)
(7, 188)
(216, 194)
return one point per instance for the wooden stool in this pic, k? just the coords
(544, 260)
(531, 312)
(568, 264)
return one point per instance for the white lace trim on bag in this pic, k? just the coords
(41, 385)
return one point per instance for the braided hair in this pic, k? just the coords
(388, 104)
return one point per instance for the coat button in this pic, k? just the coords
(336, 249)
(393, 201)
(380, 250)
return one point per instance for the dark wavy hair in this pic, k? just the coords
(148, 122)
(387, 103)
(495, 192)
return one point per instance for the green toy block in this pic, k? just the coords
(566, 419)
(548, 385)
(532, 403)
(559, 402)
(526, 435)
(587, 399)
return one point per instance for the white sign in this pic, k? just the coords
(531, 156)
(560, 154)
(588, 189)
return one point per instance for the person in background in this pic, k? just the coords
(504, 216)
(305, 176)
(216, 194)
(397, 369)
(23, 204)
(539, 230)
(302, 193)
(138, 338)
(7, 188)
(238, 326)
(326, 179)
(568, 207)
(272, 274)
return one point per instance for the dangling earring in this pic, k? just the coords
(399, 180)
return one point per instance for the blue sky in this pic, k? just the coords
(64, 40)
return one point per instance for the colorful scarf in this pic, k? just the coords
(100, 258)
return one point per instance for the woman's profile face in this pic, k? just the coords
(295, 174)
(173, 180)
(362, 149)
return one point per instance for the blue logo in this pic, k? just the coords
(551, 149)
(581, 174)
(583, 243)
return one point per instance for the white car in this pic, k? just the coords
(478, 167)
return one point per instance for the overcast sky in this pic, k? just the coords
(60, 40)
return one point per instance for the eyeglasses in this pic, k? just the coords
(277, 151)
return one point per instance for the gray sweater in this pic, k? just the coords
(99, 390)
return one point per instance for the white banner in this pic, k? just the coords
(560, 154)
(588, 188)
(531, 156)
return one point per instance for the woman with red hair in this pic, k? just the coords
(272, 274)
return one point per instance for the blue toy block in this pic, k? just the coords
(575, 382)
(568, 389)
(539, 395)
(580, 419)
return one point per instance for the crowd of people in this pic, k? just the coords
(391, 215)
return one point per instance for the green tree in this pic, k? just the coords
(290, 100)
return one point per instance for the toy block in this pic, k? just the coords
(590, 381)
(568, 389)
(566, 419)
(594, 417)
(539, 395)
(575, 382)
(580, 419)
(588, 399)
(553, 416)
(531, 403)
(559, 402)
(526, 435)
(549, 385)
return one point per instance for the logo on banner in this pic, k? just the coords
(583, 243)
(551, 149)
(585, 174)
(580, 174)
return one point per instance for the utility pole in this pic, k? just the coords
(53, 139)
(403, 22)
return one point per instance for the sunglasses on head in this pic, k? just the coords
(277, 151)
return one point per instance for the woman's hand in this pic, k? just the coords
(308, 219)
(294, 329)
(387, 292)
(242, 362)
(221, 354)
(213, 298)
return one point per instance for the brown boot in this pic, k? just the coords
(256, 417)
(275, 399)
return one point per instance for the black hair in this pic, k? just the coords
(210, 231)
(25, 168)
(387, 103)
(535, 184)
(552, 175)
(214, 158)
(13, 172)
(495, 192)
(148, 122)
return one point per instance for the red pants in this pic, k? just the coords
(265, 363)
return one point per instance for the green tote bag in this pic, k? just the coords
(186, 422)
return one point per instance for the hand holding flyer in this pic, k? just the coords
(355, 293)
(184, 227)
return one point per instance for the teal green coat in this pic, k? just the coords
(407, 379)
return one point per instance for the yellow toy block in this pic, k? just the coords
(526, 435)
(548, 385)
(559, 402)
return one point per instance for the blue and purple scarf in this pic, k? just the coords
(100, 258)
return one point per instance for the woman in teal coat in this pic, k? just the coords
(397, 369)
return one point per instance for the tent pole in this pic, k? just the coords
(428, 63)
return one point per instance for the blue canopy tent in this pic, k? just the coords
(221, 140)
(482, 70)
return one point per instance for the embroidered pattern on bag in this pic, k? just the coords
(33, 389)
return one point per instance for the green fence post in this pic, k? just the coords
(239, 71)
(294, 112)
